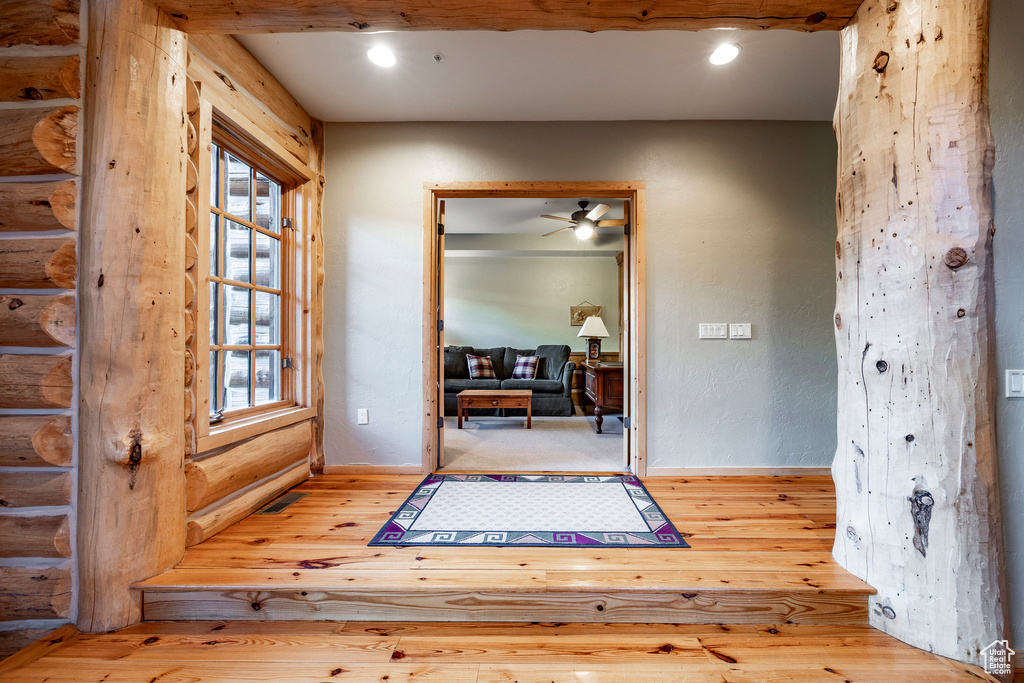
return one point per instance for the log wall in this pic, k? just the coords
(915, 469)
(42, 51)
(230, 475)
(59, 218)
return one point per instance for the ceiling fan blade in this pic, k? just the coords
(568, 227)
(611, 222)
(558, 218)
(598, 211)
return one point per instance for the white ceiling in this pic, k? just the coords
(557, 75)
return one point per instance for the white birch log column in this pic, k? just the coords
(131, 489)
(915, 469)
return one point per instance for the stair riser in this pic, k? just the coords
(719, 607)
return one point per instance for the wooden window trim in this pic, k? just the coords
(296, 287)
(253, 425)
(228, 143)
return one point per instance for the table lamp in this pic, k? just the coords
(594, 329)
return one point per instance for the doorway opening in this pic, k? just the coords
(486, 304)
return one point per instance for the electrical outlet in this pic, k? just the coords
(363, 416)
(1015, 384)
(713, 331)
(739, 330)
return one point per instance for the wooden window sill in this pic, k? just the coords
(248, 427)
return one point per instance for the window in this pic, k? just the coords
(255, 296)
(249, 257)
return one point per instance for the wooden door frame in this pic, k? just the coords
(637, 299)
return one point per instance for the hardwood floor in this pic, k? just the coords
(761, 553)
(308, 652)
(760, 558)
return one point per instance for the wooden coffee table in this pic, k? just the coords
(496, 398)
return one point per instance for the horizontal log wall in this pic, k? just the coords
(226, 483)
(222, 514)
(27, 593)
(37, 320)
(41, 68)
(30, 207)
(231, 78)
(41, 536)
(36, 441)
(237, 466)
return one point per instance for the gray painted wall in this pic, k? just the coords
(1006, 84)
(524, 301)
(740, 228)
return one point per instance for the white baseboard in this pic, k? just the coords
(373, 469)
(738, 471)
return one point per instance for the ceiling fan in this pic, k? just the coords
(584, 223)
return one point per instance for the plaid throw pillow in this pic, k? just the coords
(480, 367)
(526, 367)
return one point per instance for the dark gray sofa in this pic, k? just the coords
(552, 387)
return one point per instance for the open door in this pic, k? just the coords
(440, 333)
(625, 304)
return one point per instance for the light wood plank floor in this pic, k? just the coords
(757, 539)
(308, 652)
(744, 532)
(761, 552)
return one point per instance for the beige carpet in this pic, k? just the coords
(554, 444)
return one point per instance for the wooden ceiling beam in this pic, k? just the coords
(277, 16)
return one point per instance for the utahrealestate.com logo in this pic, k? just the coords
(998, 658)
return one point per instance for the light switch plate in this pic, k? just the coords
(739, 330)
(714, 331)
(1015, 384)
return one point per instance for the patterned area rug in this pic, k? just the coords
(530, 510)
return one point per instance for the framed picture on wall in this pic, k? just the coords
(577, 314)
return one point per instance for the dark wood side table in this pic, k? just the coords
(602, 385)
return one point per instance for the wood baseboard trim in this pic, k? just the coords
(373, 469)
(738, 471)
(46, 645)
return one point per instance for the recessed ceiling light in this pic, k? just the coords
(381, 56)
(725, 54)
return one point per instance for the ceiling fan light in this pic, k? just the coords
(381, 55)
(584, 231)
(725, 53)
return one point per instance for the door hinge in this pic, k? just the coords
(625, 229)
(627, 423)
(287, 363)
(287, 223)
(440, 326)
(440, 421)
(440, 228)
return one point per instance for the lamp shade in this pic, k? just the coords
(593, 327)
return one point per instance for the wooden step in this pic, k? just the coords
(467, 595)
(761, 552)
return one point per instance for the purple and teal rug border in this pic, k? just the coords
(662, 533)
